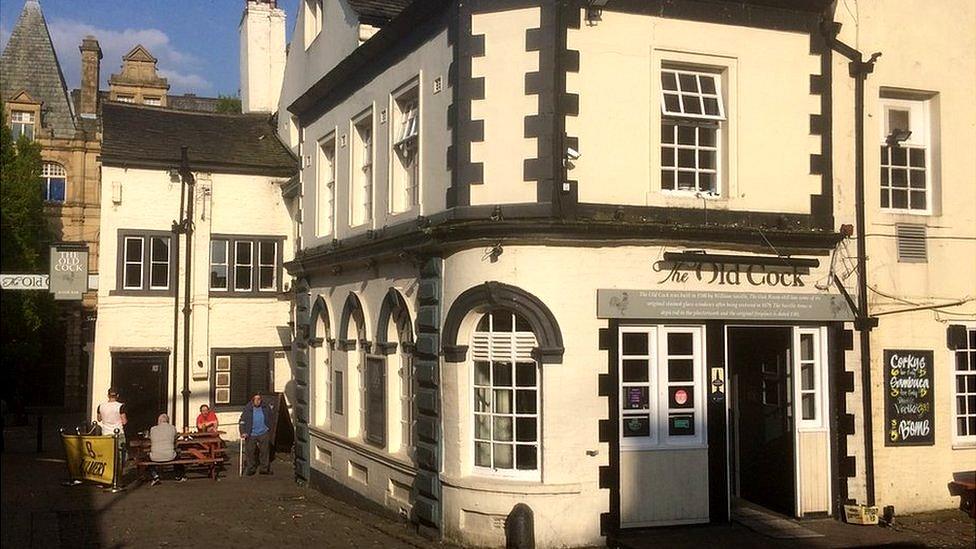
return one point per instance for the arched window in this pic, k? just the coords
(506, 395)
(320, 354)
(394, 339)
(54, 181)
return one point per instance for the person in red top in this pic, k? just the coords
(207, 420)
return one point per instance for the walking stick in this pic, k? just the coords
(240, 467)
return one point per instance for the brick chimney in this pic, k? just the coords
(91, 56)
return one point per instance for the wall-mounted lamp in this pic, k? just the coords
(897, 137)
(594, 11)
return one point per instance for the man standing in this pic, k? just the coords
(111, 414)
(256, 434)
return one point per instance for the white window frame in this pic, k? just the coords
(226, 264)
(19, 123)
(326, 185)
(53, 170)
(125, 98)
(959, 440)
(697, 120)
(313, 21)
(405, 376)
(919, 112)
(515, 340)
(405, 177)
(361, 182)
(126, 261)
(260, 244)
(153, 100)
(819, 365)
(153, 262)
(659, 383)
(250, 266)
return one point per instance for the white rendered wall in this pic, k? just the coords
(235, 204)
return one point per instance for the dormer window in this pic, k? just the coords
(22, 123)
(692, 118)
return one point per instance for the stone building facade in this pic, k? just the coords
(598, 258)
(36, 102)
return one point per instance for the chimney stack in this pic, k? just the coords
(91, 57)
(262, 34)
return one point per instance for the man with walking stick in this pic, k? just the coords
(256, 436)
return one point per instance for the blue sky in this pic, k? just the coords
(195, 41)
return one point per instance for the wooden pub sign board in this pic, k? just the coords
(909, 398)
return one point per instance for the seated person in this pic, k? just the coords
(207, 420)
(162, 439)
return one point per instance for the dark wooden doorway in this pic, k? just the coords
(141, 382)
(762, 423)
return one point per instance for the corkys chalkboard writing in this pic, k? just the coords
(909, 398)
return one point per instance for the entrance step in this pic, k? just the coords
(770, 524)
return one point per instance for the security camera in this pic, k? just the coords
(572, 153)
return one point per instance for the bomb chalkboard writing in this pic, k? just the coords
(909, 398)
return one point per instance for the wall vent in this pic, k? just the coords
(911, 243)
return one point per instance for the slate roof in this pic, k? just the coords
(378, 12)
(30, 63)
(151, 137)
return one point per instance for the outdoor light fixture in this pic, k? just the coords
(594, 11)
(897, 137)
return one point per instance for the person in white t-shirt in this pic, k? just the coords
(111, 414)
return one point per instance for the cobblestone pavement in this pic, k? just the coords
(258, 511)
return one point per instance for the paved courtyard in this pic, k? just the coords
(273, 511)
(258, 511)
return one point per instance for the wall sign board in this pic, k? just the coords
(909, 398)
(690, 305)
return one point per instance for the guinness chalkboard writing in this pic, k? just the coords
(909, 414)
(376, 401)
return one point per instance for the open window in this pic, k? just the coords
(906, 156)
(406, 146)
(692, 120)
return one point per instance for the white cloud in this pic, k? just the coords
(180, 68)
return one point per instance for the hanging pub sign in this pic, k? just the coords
(69, 271)
(908, 383)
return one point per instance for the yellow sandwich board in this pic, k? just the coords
(90, 457)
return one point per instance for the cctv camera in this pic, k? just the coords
(572, 153)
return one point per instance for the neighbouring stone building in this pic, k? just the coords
(36, 103)
(598, 258)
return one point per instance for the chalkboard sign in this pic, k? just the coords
(909, 414)
(376, 401)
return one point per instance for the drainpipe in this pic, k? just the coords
(177, 230)
(859, 70)
(187, 176)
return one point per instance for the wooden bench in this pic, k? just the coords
(210, 463)
(966, 490)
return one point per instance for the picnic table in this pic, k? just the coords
(966, 490)
(193, 449)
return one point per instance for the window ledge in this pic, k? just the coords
(964, 445)
(501, 485)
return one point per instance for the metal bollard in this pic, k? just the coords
(117, 461)
(520, 528)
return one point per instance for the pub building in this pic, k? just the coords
(582, 256)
